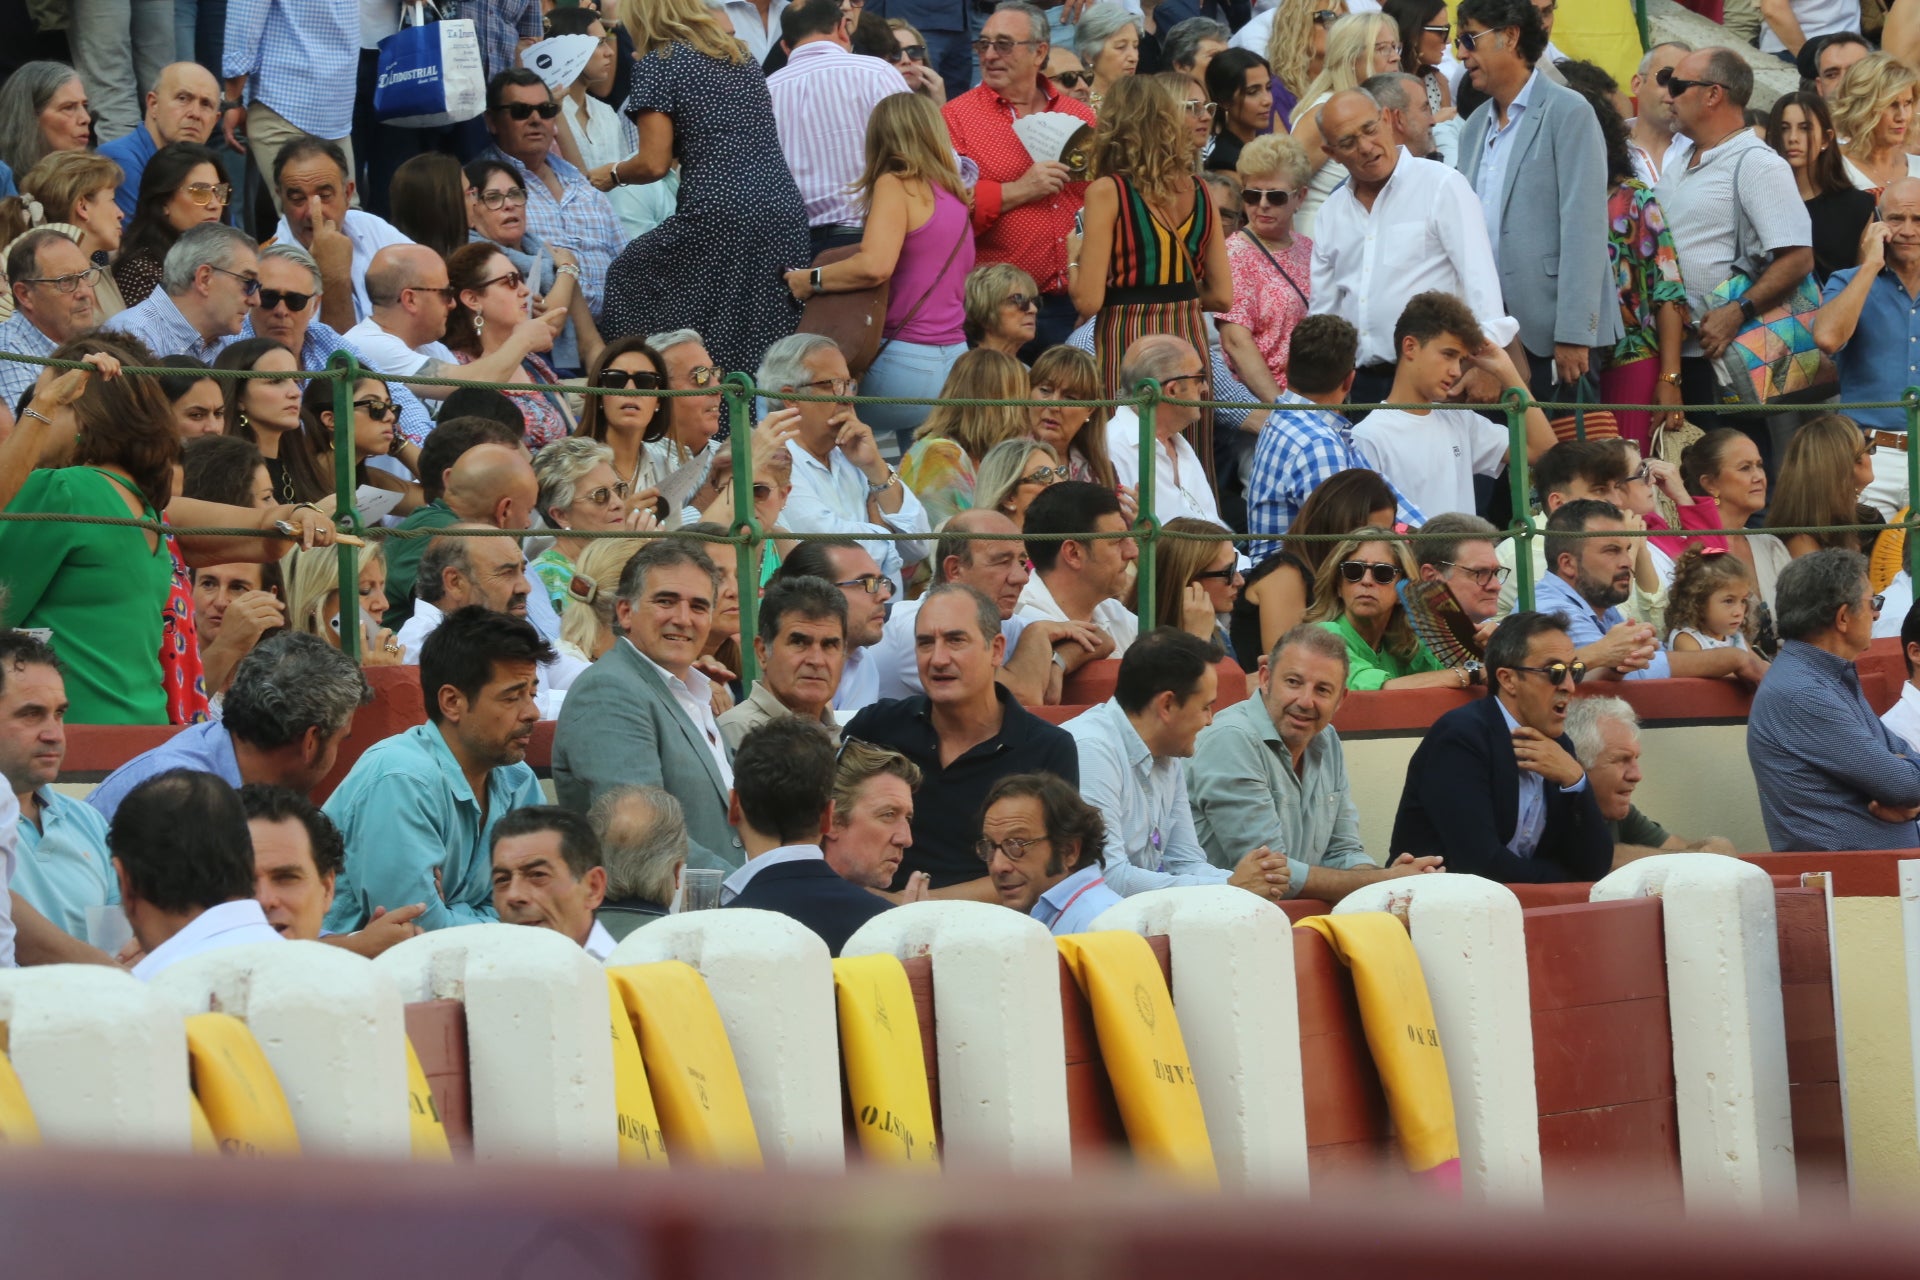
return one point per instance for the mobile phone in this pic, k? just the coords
(1079, 222)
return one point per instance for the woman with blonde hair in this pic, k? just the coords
(587, 615)
(1271, 265)
(1076, 433)
(954, 438)
(918, 238)
(1359, 46)
(70, 191)
(1013, 474)
(1355, 597)
(1296, 49)
(716, 264)
(1822, 473)
(1001, 308)
(1195, 581)
(1873, 111)
(313, 599)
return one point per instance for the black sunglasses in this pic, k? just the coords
(1021, 301)
(271, 298)
(521, 110)
(619, 379)
(1383, 574)
(914, 52)
(1324, 17)
(378, 410)
(1557, 672)
(1265, 195)
(1675, 86)
(1225, 575)
(1072, 79)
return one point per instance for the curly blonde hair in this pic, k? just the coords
(1290, 47)
(1697, 577)
(1143, 137)
(1275, 155)
(1350, 44)
(661, 24)
(1865, 91)
(1327, 606)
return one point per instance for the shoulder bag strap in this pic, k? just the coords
(966, 230)
(1275, 263)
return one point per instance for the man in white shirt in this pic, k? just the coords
(1788, 24)
(1903, 717)
(843, 562)
(822, 99)
(755, 24)
(1398, 227)
(313, 180)
(1653, 135)
(1043, 846)
(1075, 580)
(1432, 455)
(841, 484)
(489, 572)
(184, 858)
(548, 873)
(411, 297)
(1180, 486)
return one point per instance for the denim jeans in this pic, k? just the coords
(905, 369)
(119, 48)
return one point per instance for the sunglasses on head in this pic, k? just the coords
(521, 110)
(209, 193)
(643, 380)
(1383, 574)
(271, 298)
(378, 410)
(1266, 195)
(1072, 79)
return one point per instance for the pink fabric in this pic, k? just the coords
(1703, 514)
(1631, 383)
(1263, 302)
(922, 255)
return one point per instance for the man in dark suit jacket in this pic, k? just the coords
(1495, 787)
(782, 805)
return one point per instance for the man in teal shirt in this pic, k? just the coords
(417, 811)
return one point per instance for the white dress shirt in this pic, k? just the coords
(231, 924)
(1151, 842)
(600, 943)
(748, 30)
(387, 353)
(9, 854)
(1903, 717)
(1425, 231)
(736, 883)
(831, 497)
(1180, 485)
(859, 679)
(695, 696)
(1492, 179)
(822, 100)
(895, 659)
(368, 234)
(1112, 617)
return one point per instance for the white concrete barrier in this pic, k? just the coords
(772, 980)
(1729, 1029)
(103, 1060)
(331, 1024)
(1234, 993)
(1473, 950)
(999, 1042)
(1910, 945)
(539, 1047)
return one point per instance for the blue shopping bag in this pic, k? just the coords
(429, 72)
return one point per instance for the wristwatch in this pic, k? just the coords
(813, 282)
(875, 490)
(1671, 379)
(226, 106)
(1748, 311)
(1476, 671)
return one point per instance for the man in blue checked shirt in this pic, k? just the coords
(290, 68)
(1302, 446)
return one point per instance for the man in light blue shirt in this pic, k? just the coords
(418, 810)
(1131, 749)
(1043, 848)
(209, 282)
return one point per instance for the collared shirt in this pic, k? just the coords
(207, 748)
(1246, 795)
(1491, 182)
(158, 323)
(859, 680)
(1143, 798)
(301, 57)
(736, 882)
(1646, 168)
(1075, 903)
(1425, 231)
(64, 864)
(749, 30)
(426, 619)
(1882, 358)
(1112, 617)
(581, 219)
(1180, 485)
(946, 809)
(1296, 452)
(695, 697)
(599, 943)
(1588, 625)
(896, 660)
(387, 353)
(368, 235)
(131, 151)
(831, 497)
(406, 811)
(18, 336)
(1903, 718)
(822, 100)
(1531, 820)
(759, 706)
(1033, 236)
(500, 24)
(9, 821)
(317, 347)
(228, 924)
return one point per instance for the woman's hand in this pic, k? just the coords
(302, 524)
(1196, 612)
(562, 257)
(799, 283)
(644, 519)
(66, 389)
(602, 178)
(1668, 393)
(1666, 478)
(1130, 503)
(383, 652)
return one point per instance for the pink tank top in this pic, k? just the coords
(924, 270)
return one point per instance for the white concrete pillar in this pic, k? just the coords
(539, 1047)
(1002, 1054)
(1473, 951)
(772, 980)
(1910, 945)
(333, 1028)
(103, 1060)
(1233, 989)
(1729, 1029)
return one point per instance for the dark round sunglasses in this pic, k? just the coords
(620, 379)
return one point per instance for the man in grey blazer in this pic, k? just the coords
(642, 714)
(1534, 155)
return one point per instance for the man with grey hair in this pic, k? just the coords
(1405, 111)
(209, 282)
(1461, 553)
(841, 484)
(282, 721)
(801, 648)
(1829, 774)
(1653, 137)
(458, 571)
(410, 297)
(1180, 485)
(1606, 741)
(53, 301)
(643, 713)
(1191, 45)
(643, 837)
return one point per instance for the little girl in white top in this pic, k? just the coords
(1708, 605)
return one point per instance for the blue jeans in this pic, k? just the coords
(905, 369)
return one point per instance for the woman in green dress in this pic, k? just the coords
(1354, 597)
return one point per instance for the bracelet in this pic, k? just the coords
(31, 412)
(875, 490)
(568, 269)
(1671, 379)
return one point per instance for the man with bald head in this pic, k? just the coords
(1653, 135)
(1180, 486)
(182, 106)
(1400, 226)
(1869, 324)
(411, 298)
(458, 571)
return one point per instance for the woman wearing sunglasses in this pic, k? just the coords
(375, 420)
(497, 213)
(1355, 596)
(952, 442)
(491, 301)
(1013, 474)
(579, 489)
(1272, 266)
(182, 187)
(1001, 306)
(1195, 581)
(1426, 28)
(630, 425)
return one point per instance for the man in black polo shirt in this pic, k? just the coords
(965, 733)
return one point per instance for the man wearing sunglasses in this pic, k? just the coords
(412, 298)
(1653, 134)
(1494, 786)
(314, 185)
(209, 285)
(52, 302)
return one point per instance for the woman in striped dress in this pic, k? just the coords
(1152, 259)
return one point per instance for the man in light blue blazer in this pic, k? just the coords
(642, 714)
(1535, 156)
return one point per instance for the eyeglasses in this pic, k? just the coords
(1072, 79)
(704, 375)
(832, 386)
(1167, 384)
(1484, 577)
(620, 379)
(249, 285)
(1003, 47)
(1469, 41)
(874, 584)
(607, 493)
(1383, 574)
(513, 280)
(271, 298)
(1021, 301)
(209, 193)
(521, 110)
(1675, 86)
(496, 199)
(1267, 196)
(378, 410)
(914, 52)
(1043, 475)
(1867, 452)
(1324, 17)
(1645, 473)
(1202, 110)
(69, 282)
(1387, 48)
(1443, 29)
(1557, 673)
(1013, 847)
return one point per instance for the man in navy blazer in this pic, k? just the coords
(1494, 787)
(782, 805)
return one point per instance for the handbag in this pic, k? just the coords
(1670, 444)
(1583, 423)
(429, 72)
(1774, 359)
(857, 320)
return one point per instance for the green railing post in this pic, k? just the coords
(1640, 21)
(1911, 398)
(1146, 528)
(738, 391)
(1516, 403)
(346, 518)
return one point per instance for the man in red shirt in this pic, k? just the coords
(1023, 209)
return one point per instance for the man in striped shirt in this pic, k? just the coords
(821, 101)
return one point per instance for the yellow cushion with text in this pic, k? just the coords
(689, 1062)
(886, 1070)
(640, 1139)
(245, 1106)
(429, 1133)
(18, 1128)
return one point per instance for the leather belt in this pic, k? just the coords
(1888, 440)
